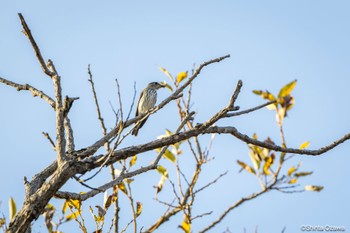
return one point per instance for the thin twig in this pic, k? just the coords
(202, 215)
(229, 209)
(99, 116)
(50, 140)
(249, 110)
(211, 183)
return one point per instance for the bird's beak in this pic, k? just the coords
(164, 84)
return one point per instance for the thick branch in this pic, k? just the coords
(60, 137)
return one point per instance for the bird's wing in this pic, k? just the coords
(137, 107)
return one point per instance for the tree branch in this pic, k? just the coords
(35, 92)
(40, 58)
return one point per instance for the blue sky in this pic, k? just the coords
(271, 43)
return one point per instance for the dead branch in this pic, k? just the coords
(40, 58)
(35, 92)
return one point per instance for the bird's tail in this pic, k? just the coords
(138, 125)
(135, 131)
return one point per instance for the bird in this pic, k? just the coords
(147, 100)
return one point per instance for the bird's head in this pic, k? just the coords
(156, 85)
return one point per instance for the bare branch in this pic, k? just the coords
(40, 58)
(211, 183)
(249, 110)
(201, 215)
(35, 92)
(247, 139)
(50, 140)
(238, 203)
(99, 116)
(60, 136)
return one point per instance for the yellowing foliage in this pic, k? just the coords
(133, 161)
(12, 208)
(138, 208)
(304, 145)
(246, 167)
(167, 73)
(181, 76)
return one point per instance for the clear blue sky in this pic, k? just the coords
(271, 43)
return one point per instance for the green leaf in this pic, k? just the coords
(287, 89)
(246, 167)
(12, 208)
(299, 174)
(304, 145)
(314, 188)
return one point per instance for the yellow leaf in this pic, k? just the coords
(281, 114)
(122, 187)
(265, 94)
(168, 155)
(287, 89)
(246, 167)
(129, 181)
(64, 207)
(298, 174)
(255, 159)
(138, 208)
(132, 161)
(293, 181)
(268, 163)
(110, 199)
(72, 215)
(168, 132)
(291, 170)
(50, 207)
(160, 184)
(272, 106)
(313, 188)
(166, 73)
(162, 170)
(186, 225)
(74, 204)
(2, 222)
(304, 145)
(12, 208)
(181, 76)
